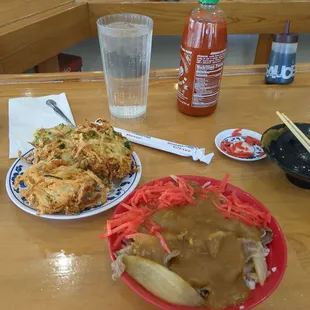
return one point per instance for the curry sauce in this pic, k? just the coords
(206, 251)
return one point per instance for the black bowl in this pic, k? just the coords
(281, 146)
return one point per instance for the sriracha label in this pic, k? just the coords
(202, 52)
(200, 88)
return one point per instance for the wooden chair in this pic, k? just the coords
(52, 26)
(33, 32)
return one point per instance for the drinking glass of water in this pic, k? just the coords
(125, 45)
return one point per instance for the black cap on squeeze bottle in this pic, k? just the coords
(281, 66)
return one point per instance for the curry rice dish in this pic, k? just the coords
(215, 261)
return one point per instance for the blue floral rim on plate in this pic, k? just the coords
(126, 186)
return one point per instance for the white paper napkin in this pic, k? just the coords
(27, 114)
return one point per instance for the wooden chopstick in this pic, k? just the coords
(305, 138)
(300, 136)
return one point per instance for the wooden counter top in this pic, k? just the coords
(58, 265)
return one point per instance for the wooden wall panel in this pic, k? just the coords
(244, 16)
(31, 41)
(14, 10)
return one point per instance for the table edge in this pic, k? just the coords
(97, 76)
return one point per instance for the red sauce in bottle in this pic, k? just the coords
(202, 52)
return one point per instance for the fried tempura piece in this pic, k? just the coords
(55, 188)
(95, 146)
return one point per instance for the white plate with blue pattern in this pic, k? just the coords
(121, 190)
(227, 136)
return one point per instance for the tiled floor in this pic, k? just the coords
(165, 51)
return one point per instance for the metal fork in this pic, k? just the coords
(51, 103)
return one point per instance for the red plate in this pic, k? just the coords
(276, 258)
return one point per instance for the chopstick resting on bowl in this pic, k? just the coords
(300, 136)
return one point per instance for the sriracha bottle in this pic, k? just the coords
(202, 52)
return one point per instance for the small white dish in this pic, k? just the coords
(121, 190)
(226, 135)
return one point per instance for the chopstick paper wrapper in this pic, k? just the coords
(167, 146)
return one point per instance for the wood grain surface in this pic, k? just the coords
(48, 264)
(33, 31)
(30, 41)
(97, 76)
(244, 16)
(14, 10)
(49, 65)
(263, 49)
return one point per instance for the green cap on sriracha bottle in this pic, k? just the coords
(209, 1)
